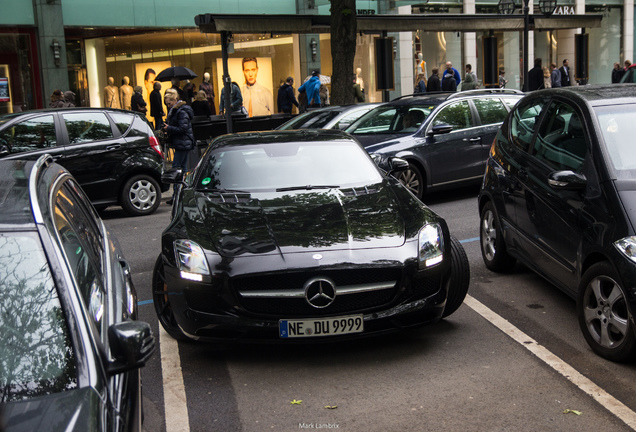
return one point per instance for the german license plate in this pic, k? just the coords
(321, 327)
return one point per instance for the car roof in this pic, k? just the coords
(15, 203)
(436, 98)
(52, 110)
(281, 137)
(596, 94)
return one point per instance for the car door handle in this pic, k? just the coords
(113, 147)
(473, 139)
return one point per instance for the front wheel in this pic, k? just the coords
(413, 179)
(493, 248)
(604, 315)
(161, 301)
(459, 279)
(141, 195)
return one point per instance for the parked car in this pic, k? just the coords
(445, 137)
(113, 154)
(332, 117)
(71, 350)
(297, 235)
(558, 196)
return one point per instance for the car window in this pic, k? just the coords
(122, 120)
(87, 126)
(349, 118)
(391, 119)
(510, 101)
(561, 141)
(491, 111)
(618, 129)
(522, 123)
(82, 243)
(37, 354)
(35, 133)
(456, 115)
(312, 120)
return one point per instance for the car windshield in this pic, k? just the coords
(311, 120)
(304, 165)
(618, 129)
(36, 354)
(392, 119)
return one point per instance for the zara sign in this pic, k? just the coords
(564, 10)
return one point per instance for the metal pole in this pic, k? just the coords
(526, 28)
(386, 94)
(227, 82)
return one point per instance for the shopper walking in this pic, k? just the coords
(286, 98)
(434, 84)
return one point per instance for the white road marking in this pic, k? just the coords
(598, 394)
(174, 397)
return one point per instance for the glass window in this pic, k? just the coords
(82, 243)
(122, 120)
(390, 119)
(522, 123)
(36, 354)
(312, 120)
(349, 118)
(36, 133)
(87, 126)
(457, 115)
(618, 129)
(561, 141)
(491, 111)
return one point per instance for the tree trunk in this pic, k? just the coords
(343, 50)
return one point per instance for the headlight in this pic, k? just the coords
(627, 245)
(431, 246)
(191, 260)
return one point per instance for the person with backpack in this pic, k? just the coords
(312, 88)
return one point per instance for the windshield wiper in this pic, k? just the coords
(307, 187)
(223, 190)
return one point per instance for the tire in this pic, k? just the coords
(603, 314)
(141, 195)
(161, 301)
(413, 179)
(459, 279)
(493, 248)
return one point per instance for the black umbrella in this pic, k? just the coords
(180, 72)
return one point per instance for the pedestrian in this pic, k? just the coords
(617, 73)
(547, 79)
(69, 99)
(312, 88)
(178, 128)
(137, 102)
(502, 78)
(434, 84)
(236, 100)
(535, 76)
(449, 83)
(57, 99)
(200, 105)
(420, 85)
(627, 64)
(565, 73)
(470, 80)
(358, 94)
(208, 88)
(176, 85)
(286, 98)
(188, 91)
(450, 70)
(302, 101)
(555, 76)
(156, 106)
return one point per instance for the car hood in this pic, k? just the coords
(74, 410)
(302, 221)
(369, 139)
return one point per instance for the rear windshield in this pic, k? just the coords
(36, 354)
(311, 120)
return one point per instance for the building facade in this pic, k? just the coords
(79, 44)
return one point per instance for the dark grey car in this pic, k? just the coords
(70, 348)
(445, 137)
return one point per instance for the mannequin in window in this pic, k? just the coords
(125, 93)
(207, 87)
(359, 79)
(111, 94)
(421, 65)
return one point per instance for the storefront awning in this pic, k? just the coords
(376, 24)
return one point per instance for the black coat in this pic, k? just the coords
(179, 128)
(449, 84)
(201, 108)
(156, 105)
(433, 84)
(137, 101)
(286, 98)
(565, 77)
(535, 78)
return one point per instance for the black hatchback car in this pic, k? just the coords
(295, 236)
(70, 348)
(445, 137)
(559, 195)
(113, 154)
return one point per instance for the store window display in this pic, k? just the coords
(111, 94)
(125, 93)
(257, 99)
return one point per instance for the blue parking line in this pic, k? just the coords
(145, 302)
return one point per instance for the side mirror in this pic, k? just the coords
(397, 164)
(567, 180)
(440, 129)
(173, 175)
(131, 344)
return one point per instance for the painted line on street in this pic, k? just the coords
(469, 240)
(174, 397)
(612, 404)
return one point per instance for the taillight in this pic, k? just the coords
(154, 143)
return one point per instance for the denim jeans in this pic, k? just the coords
(180, 160)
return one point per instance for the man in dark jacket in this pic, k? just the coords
(433, 83)
(179, 129)
(286, 97)
(535, 76)
(156, 106)
(565, 73)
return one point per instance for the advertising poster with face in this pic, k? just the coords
(145, 74)
(254, 77)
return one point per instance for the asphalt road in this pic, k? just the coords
(464, 373)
